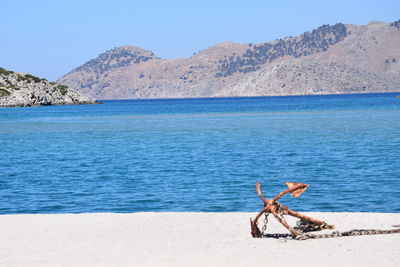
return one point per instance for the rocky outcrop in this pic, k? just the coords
(330, 59)
(25, 90)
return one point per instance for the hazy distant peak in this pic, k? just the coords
(222, 49)
(377, 22)
(226, 44)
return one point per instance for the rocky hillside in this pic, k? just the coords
(306, 44)
(330, 59)
(310, 76)
(24, 90)
(367, 60)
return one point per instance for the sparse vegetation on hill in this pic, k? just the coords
(4, 92)
(396, 24)
(116, 58)
(63, 89)
(308, 43)
(5, 72)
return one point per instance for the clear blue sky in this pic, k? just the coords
(49, 38)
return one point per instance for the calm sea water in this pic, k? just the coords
(202, 154)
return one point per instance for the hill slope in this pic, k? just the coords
(331, 59)
(366, 61)
(24, 90)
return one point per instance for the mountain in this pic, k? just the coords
(332, 59)
(24, 90)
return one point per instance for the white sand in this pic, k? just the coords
(188, 239)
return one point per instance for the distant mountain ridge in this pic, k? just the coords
(330, 59)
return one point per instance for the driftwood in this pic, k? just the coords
(272, 206)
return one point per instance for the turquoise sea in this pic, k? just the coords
(202, 154)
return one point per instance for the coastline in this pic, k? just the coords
(189, 239)
(95, 102)
(394, 93)
(100, 101)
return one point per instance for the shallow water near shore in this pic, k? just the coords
(202, 154)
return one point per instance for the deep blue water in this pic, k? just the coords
(202, 154)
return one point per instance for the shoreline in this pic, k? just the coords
(260, 96)
(189, 239)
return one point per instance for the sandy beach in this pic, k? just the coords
(188, 239)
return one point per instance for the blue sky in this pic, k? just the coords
(50, 38)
